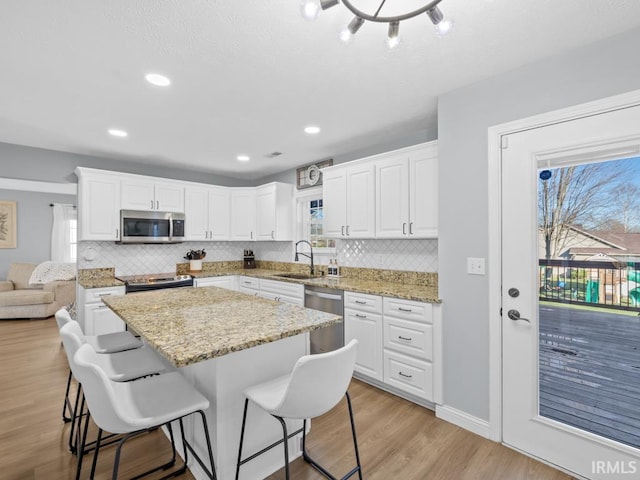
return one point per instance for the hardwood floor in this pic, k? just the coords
(397, 439)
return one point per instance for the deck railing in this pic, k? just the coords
(597, 283)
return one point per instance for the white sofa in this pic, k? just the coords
(19, 299)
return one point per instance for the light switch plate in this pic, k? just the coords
(475, 266)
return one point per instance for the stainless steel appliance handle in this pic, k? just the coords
(330, 296)
(170, 226)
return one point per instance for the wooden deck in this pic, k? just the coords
(590, 371)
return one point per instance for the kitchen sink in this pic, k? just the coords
(296, 276)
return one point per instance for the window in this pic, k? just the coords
(64, 234)
(311, 217)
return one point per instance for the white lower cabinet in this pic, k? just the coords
(408, 374)
(363, 321)
(97, 318)
(399, 343)
(227, 281)
(249, 285)
(282, 291)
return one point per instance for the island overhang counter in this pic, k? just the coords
(223, 342)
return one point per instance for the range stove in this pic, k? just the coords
(156, 281)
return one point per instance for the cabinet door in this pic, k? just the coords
(196, 213)
(392, 197)
(266, 213)
(169, 197)
(99, 207)
(361, 215)
(334, 197)
(100, 319)
(219, 214)
(227, 281)
(137, 194)
(243, 211)
(423, 194)
(367, 329)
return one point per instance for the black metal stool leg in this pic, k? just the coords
(353, 433)
(95, 454)
(67, 403)
(286, 446)
(244, 422)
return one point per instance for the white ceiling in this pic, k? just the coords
(249, 75)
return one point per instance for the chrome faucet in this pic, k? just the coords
(308, 255)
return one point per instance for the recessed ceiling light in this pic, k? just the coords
(243, 158)
(117, 132)
(312, 130)
(157, 79)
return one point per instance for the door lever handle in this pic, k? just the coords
(515, 315)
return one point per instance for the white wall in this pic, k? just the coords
(600, 70)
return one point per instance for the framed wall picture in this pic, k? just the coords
(8, 225)
(310, 175)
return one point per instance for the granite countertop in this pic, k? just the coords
(189, 325)
(100, 282)
(407, 291)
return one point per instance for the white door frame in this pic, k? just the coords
(494, 263)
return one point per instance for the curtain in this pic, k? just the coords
(62, 243)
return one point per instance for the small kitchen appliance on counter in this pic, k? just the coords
(249, 259)
(143, 283)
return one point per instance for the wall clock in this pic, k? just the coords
(310, 175)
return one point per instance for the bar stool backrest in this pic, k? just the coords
(99, 392)
(318, 382)
(62, 317)
(72, 340)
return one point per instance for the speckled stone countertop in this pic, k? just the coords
(189, 325)
(98, 278)
(364, 284)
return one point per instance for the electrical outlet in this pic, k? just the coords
(475, 266)
(380, 260)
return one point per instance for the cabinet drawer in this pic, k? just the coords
(282, 288)
(362, 301)
(408, 374)
(248, 282)
(412, 338)
(408, 309)
(227, 281)
(95, 295)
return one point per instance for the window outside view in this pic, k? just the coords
(313, 225)
(589, 297)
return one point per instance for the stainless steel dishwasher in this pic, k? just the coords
(331, 301)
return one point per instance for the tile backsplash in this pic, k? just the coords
(409, 255)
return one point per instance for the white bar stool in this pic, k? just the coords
(316, 385)
(107, 343)
(131, 408)
(120, 366)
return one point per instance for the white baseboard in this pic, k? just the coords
(466, 421)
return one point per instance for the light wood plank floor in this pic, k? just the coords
(397, 438)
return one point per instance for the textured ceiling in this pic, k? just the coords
(249, 75)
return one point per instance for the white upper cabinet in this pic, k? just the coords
(143, 193)
(274, 212)
(407, 193)
(392, 197)
(423, 192)
(334, 198)
(243, 213)
(207, 213)
(348, 194)
(98, 205)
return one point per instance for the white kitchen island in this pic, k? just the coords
(223, 342)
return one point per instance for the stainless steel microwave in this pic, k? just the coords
(140, 226)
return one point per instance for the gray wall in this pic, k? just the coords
(29, 163)
(34, 227)
(600, 70)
